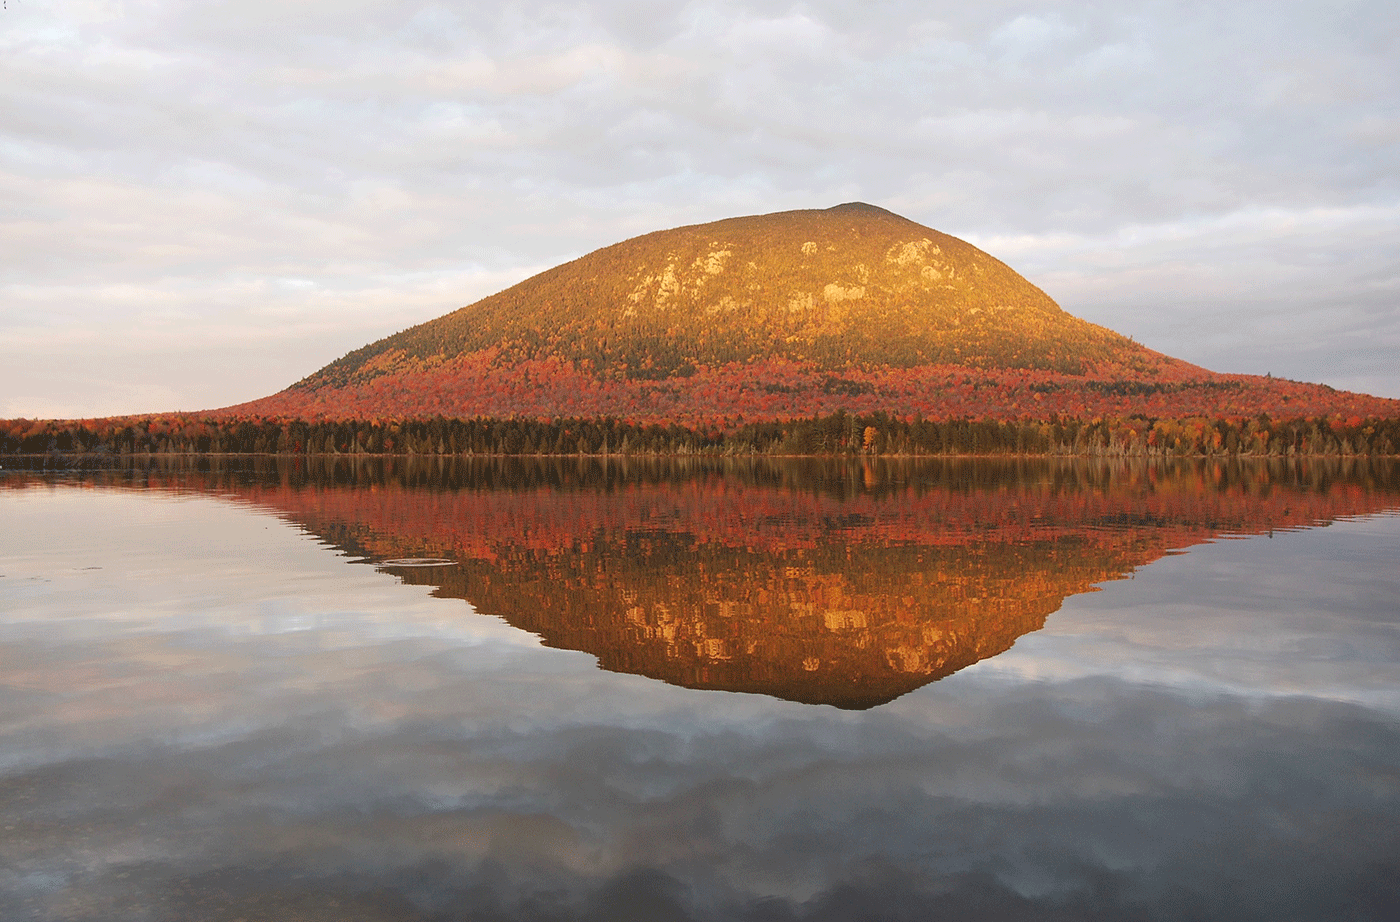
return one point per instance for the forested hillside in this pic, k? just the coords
(778, 317)
(849, 330)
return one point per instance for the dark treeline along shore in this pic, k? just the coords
(838, 434)
(839, 477)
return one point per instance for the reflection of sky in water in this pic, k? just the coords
(223, 720)
(1298, 613)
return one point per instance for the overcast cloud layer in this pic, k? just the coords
(201, 202)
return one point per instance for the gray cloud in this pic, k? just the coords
(204, 202)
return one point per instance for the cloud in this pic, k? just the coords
(171, 145)
(1307, 294)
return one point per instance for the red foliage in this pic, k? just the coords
(475, 385)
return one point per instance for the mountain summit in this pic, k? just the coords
(850, 286)
(766, 317)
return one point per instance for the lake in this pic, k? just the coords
(383, 689)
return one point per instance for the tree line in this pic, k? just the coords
(837, 434)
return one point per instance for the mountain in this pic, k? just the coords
(853, 285)
(779, 316)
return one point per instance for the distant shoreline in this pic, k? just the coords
(839, 435)
(1155, 456)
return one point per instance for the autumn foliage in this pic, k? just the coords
(779, 317)
(844, 331)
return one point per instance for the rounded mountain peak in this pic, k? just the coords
(852, 286)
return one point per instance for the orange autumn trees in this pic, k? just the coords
(780, 317)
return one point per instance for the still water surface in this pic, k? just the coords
(548, 690)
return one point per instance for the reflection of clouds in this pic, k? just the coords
(239, 571)
(1301, 613)
(1104, 797)
(160, 765)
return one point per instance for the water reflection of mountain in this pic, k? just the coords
(842, 585)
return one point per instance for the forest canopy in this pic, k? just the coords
(836, 434)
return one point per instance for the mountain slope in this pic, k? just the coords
(772, 316)
(853, 285)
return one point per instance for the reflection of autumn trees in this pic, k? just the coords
(839, 584)
(844, 622)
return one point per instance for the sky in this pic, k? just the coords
(203, 202)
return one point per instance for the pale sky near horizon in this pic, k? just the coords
(202, 202)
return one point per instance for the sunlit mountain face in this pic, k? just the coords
(836, 584)
(778, 317)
